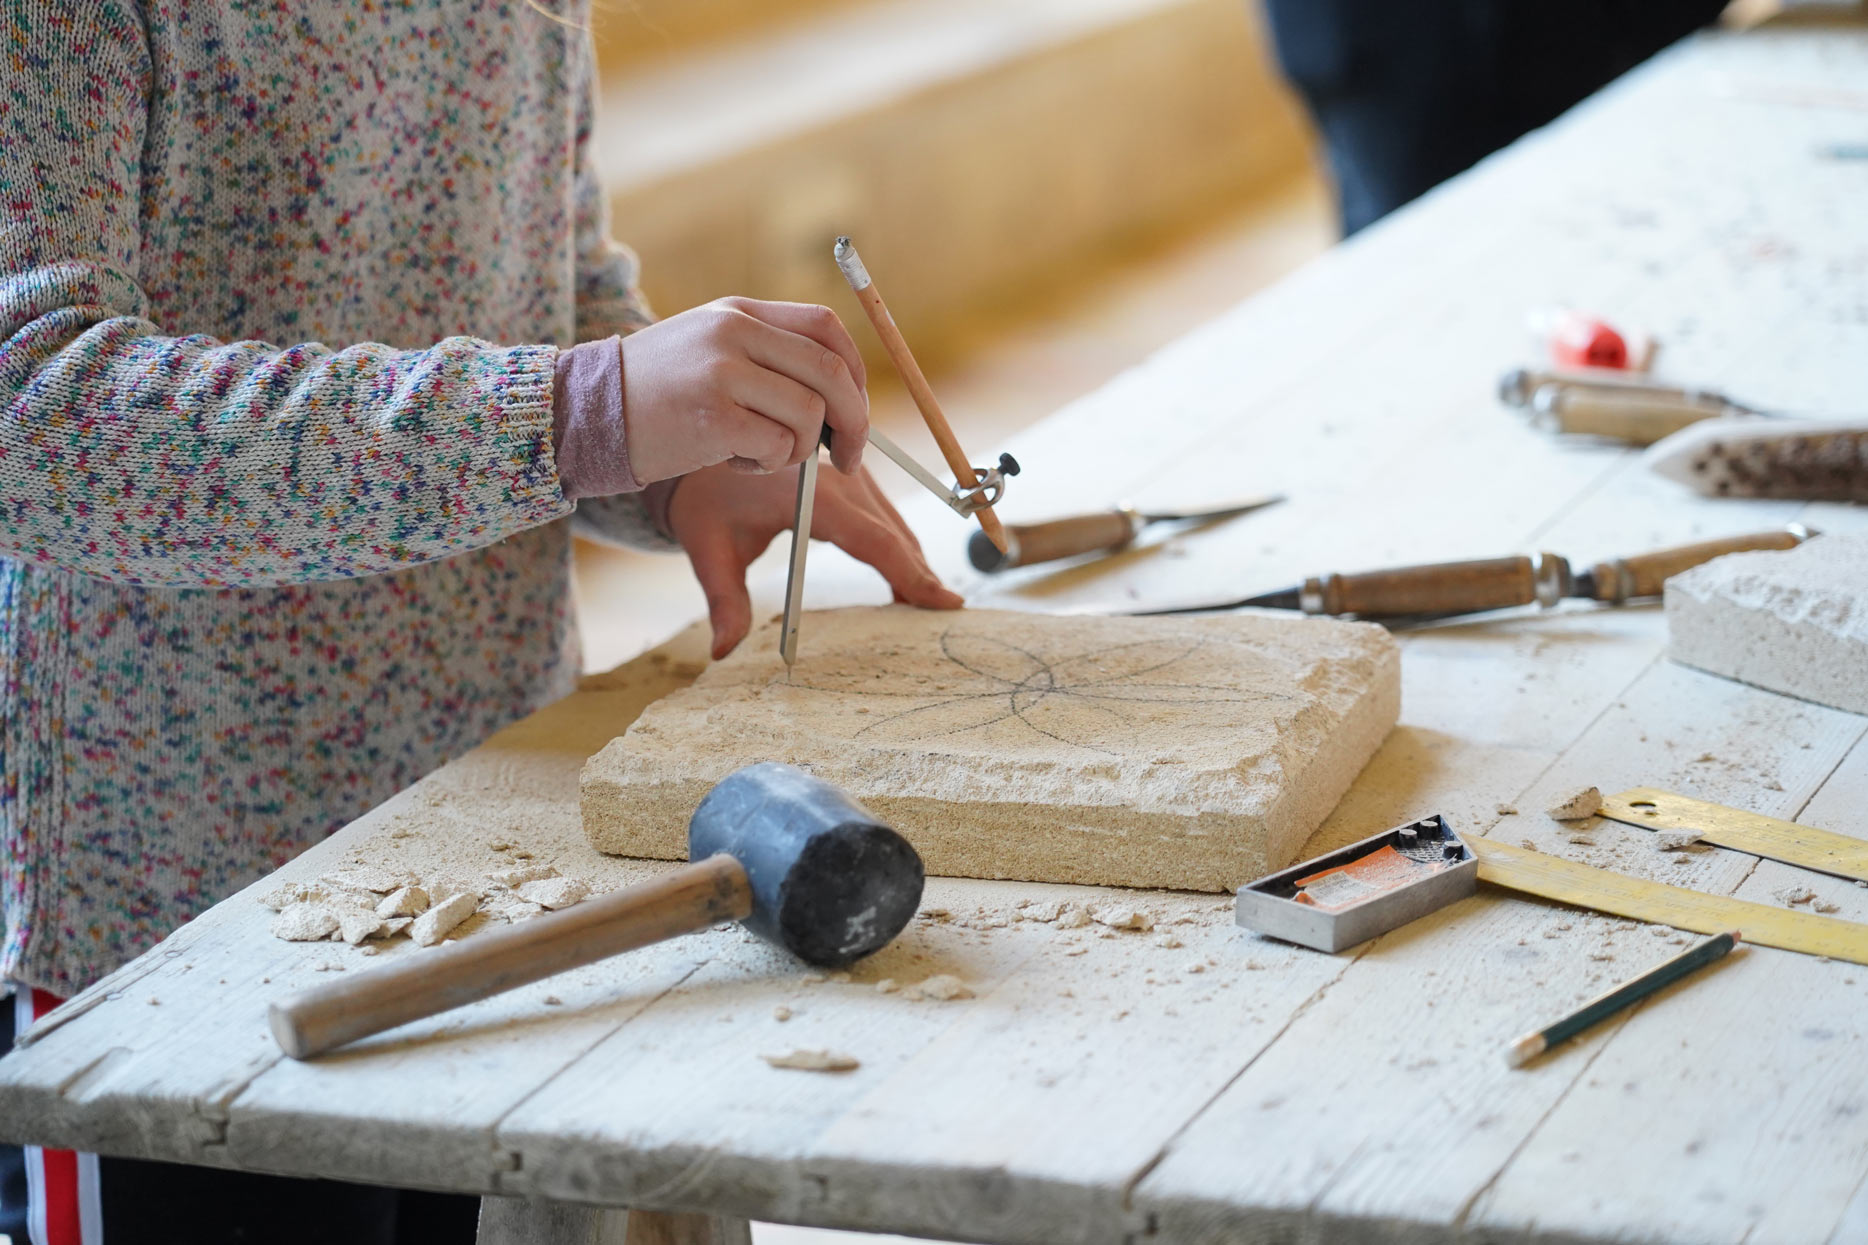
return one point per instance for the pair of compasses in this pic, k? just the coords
(975, 491)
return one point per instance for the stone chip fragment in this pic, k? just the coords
(288, 893)
(354, 924)
(814, 1061)
(942, 987)
(521, 874)
(403, 901)
(304, 922)
(554, 893)
(440, 920)
(1577, 805)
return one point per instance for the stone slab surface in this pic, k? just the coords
(1160, 752)
(1794, 621)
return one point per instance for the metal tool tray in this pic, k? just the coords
(1270, 906)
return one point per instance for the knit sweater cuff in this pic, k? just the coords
(523, 433)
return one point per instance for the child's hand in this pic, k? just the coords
(744, 382)
(724, 520)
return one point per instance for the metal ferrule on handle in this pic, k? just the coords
(850, 264)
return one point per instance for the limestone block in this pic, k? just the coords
(1794, 621)
(1196, 753)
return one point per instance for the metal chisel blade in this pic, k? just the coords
(800, 546)
(1242, 506)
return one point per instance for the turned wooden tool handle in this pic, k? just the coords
(864, 286)
(1642, 575)
(429, 982)
(1029, 543)
(1440, 588)
(1626, 416)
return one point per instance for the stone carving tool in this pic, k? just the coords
(1625, 406)
(1446, 589)
(792, 858)
(1520, 386)
(1809, 847)
(1334, 901)
(988, 488)
(851, 265)
(1802, 460)
(976, 490)
(1108, 532)
(1630, 992)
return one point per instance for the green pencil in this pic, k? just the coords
(1531, 1045)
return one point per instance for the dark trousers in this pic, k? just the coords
(147, 1203)
(1406, 95)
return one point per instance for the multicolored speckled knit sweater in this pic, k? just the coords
(277, 517)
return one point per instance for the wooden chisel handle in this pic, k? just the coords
(1029, 543)
(427, 983)
(1621, 579)
(1438, 588)
(1637, 418)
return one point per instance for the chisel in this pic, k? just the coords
(1027, 544)
(1600, 402)
(1440, 589)
(1520, 386)
(1624, 415)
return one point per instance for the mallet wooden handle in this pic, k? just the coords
(429, 982)
(918, 388)
(1438, 588)
(1642, 575)
(1031, 543)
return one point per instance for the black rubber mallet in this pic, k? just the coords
(792, 858)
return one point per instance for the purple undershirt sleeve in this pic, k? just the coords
(587, 421)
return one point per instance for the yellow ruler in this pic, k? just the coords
(1534, 873)
(1825, 850)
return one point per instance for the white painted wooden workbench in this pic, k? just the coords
(1198, 1083)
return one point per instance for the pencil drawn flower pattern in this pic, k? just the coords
(992, 690)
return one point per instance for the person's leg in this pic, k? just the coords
(1406, 96)
(12, 1158)
(47, 1197)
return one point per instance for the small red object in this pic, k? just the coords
(1579, 340)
